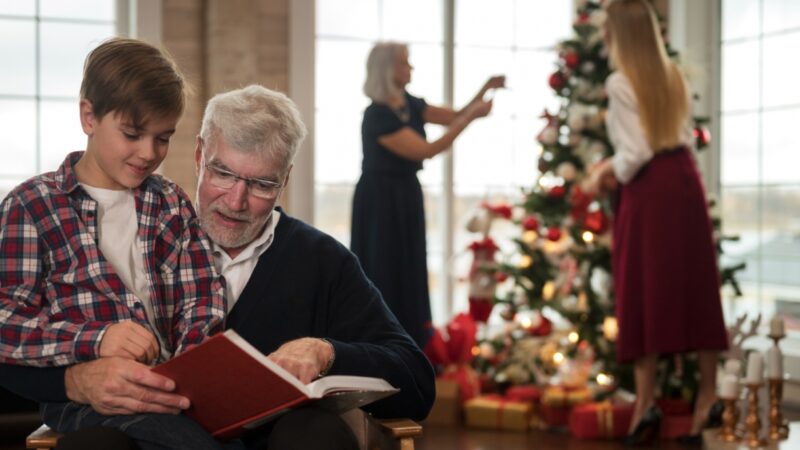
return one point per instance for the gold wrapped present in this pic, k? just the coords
(497, 413)
(447, 406)
(559, 396)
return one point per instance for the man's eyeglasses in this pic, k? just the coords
(225, 179)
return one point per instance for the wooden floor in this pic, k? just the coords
(12, 437)
(439, 438)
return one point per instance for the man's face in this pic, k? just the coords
(233, 217)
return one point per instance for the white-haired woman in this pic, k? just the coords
(388, 227)
(665, 272)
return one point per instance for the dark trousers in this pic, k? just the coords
(303, 429)
(149, 431)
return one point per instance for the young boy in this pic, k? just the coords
(101, 258)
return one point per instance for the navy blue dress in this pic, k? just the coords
(388, 226)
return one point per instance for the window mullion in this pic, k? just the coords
(448, 198)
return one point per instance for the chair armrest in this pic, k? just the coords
(42, 438)
(400, 428)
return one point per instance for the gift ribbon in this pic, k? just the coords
(501, 404)
(605, 419)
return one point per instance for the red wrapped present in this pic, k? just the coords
(524, 393)
(497, 413)
(674, 406)
(674, 426)
(600, 420)
(557, 402)
(555, 416)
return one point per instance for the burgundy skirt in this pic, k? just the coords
(666, 279)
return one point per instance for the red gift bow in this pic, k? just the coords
(457, 349)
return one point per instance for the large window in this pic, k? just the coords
(490, 161)
(760, 154)
(42, 45)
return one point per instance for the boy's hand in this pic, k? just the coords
(131, 341)
(121, 386)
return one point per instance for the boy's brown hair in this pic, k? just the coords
(133, 78)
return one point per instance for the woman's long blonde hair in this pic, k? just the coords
(636, 48)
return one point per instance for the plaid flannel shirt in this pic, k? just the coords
(58, 294)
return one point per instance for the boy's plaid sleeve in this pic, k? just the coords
(199, 290)
(31, 332)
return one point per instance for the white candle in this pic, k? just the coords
(755, 367)
(729, 387)
(733, 366)
(776, 326)
(774, 363)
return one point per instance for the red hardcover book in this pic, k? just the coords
(234, 387)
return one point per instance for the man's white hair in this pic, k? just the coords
(255, 119)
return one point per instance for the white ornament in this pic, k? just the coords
(567, 171)
(549, 136)
(588, 67)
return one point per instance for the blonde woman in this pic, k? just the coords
(665, 271)
(388, 231)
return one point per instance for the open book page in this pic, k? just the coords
(340, 383)
(260, 357)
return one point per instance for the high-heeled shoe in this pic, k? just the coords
(713, 420)
(646, 430)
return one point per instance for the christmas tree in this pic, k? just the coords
(562, 271)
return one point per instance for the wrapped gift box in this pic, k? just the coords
(468, 381)
(447, 406)
(674, 426)
(677, 417)
(524, 393)
(600, 420)
(497, 413)
(557, 402)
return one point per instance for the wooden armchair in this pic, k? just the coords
(372, 433)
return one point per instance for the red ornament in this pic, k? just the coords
(571, 60)
(580, 202)
(557, 192)
(596, 222)
(480, 308)
(702, 136)
(544, 328)
(499, 209)
(583, 17)
(530, 223)
(500, 276)
(554, 233)
(557, 81)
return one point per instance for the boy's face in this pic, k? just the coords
(120, 155)
(233, 217)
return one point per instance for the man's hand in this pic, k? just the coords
(122, 386)
(129, 340)
(304, 358)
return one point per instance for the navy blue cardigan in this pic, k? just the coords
(305, 284)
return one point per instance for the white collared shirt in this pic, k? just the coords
(237, 271)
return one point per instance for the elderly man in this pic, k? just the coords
(294, 292)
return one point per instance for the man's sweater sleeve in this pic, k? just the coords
(369, 341)
(40, 384)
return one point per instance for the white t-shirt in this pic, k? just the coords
(122, 247)
(237, 271)
(632, 151)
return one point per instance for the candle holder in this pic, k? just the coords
(752, 423)
(778, 428)
(730, 417)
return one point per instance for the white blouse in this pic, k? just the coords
(625, 130)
